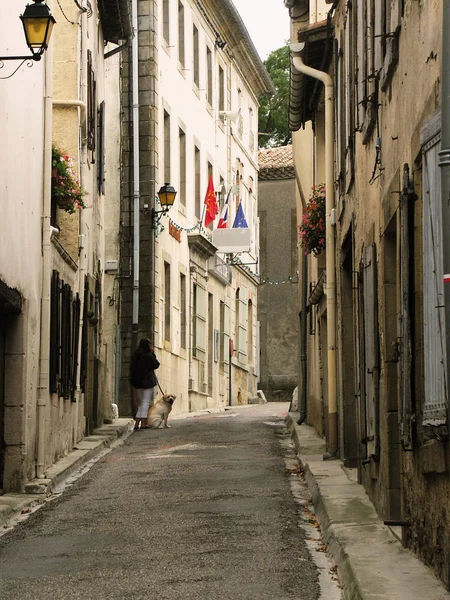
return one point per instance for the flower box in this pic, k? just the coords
(67, 192)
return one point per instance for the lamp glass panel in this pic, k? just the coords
(37, 31)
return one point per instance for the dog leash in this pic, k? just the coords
(157, 381)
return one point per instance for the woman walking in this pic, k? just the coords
(142, 377)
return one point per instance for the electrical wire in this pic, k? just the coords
(64, 14)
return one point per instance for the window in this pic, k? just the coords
(221, 88)
(241, 314)
(251, 136)
(209, 76)
(101, 149)
(224, 334)
(183, 310)
(181, 42)
(199, 322)
(197, 181)
(182, 167)
(64, 338)
(196, 57)
(366, 66)
(91, 105)
(250, 331)
(166, 169)
(166, 21)
(167, 305)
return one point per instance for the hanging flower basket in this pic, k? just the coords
(312, 228)
(66, 189)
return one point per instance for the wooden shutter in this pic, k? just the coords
(242, 317)
(435, 354)
(370, 352)
(405, 317)
(200, 324)
(226, 333)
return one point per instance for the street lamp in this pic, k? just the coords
(37, 23)
(166, 197)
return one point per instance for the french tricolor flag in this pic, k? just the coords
(223, 220)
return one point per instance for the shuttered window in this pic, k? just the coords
(64, 338)
(370, 352)
(199, 322)
(435, 355)
(224, 333)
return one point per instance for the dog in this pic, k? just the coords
(159, 412)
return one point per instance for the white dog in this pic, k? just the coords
(159, 412)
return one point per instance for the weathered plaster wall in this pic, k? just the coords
(402, 482)
(21, 185)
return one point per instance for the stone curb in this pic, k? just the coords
(36, 490)
(371, 561)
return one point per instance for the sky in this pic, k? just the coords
(267, 22)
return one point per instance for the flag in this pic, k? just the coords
(211, 206)
(239, 220)
(223, 220)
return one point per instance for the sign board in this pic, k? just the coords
(231, 241)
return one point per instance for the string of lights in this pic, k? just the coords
(234, 260)
(231, 259)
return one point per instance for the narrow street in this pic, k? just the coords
(213, 508)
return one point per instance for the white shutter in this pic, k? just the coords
(226, 333)
(396, 15)
(200, 323)
(361, 61)
(242, 342)
(176, 330)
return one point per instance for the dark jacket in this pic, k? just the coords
(142, 370)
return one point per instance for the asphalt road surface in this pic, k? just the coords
(203, 510)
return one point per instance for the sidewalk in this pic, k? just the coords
(37, 490)
(371, 561)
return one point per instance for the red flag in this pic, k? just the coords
(211, 206)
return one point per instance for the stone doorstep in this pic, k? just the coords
(372, 562)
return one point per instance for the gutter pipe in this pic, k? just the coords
(300, 66)
(136, 186)
(444, 163)
(44, 345)
(303, 328)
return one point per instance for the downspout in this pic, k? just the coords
(444, 163)
(44, 346)
(136, 187)
(300, 66)
(303, 328)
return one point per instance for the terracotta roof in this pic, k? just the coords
(276, 163)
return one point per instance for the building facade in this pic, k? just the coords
(382, 385)
(52, 353)
(196, 77)
(277, 298)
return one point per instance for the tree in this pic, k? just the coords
(273, 119)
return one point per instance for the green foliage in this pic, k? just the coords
(273, 120)
(312, 228)
(66, 189)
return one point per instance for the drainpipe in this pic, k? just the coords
(44, 347)
(329, 241)
(136, 188)
(444, 163)
(303, 329)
